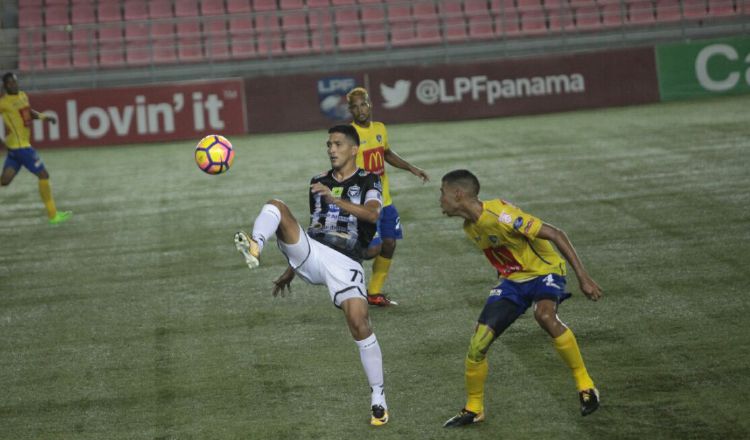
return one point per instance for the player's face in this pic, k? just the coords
(448, 199)
(11, 86)
(341, 151)
(360, 110)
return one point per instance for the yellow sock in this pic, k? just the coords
(380, 269)
(567, 347)
(476, 375)
(45, 190)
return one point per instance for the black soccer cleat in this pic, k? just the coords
(589, 401)
(379, 415)
(463, 418)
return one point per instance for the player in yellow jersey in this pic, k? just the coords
(519, 247)
(374, 153)
(17, 116)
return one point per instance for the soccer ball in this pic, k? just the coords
(214, 154)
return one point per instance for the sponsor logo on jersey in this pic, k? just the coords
(528, 226)
(374, 160)
(337, 191)
(493, 239)
(518, 223)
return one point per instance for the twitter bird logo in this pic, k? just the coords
(397, 95)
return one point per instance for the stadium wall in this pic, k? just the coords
(189, 110)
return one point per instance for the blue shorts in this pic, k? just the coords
(525, 294)
(27, 157)
(389, 226)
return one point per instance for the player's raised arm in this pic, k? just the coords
(561, 241)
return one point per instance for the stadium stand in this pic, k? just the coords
(98, 34)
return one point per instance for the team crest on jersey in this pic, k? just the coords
(353, 191)
(379, 138)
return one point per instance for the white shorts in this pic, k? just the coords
(316, 263)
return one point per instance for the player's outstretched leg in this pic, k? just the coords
(274, 218)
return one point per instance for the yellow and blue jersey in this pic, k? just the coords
(508, 238)
(16, 113)
(373, 142)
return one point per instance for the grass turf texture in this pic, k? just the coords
(138, 319)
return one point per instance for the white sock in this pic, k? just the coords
(266, 224)
(372, 361)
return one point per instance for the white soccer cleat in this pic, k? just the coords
(248, 248)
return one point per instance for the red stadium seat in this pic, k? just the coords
(108, 12)
(721, 8)
(160, 9)
(189, 47)
(695, 9)
(296, 38)
(29, 17)
(55, 2)
(292, 4)
(424, 10)
(532, 5)
(186, 8)
(110, 46)
(30, 53)
(342, 2)
(312, 4)
(238, 6)
(56, 15)
(588, 18)
(402, 27)
(613, 14)
(215, 39)
(321, 29)
(499, 7)
(268, 34)
(163, 42)
(242, 36)
(582, 3)
(668, 10)
(57, 49)
(508, 24)
(137, 43)
(348, 28)
(479, 20)
(641, 12)
(264, 5)
(560, 20)
(428, 31)
(374, 26)
(83, 13)
(212, 7)
(533, 21)
(136, 10)
(363, 2)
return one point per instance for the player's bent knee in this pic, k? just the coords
(480, 343)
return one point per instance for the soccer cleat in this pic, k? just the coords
(248, 248)
(589, 401)
(463, 418)
(60, 217)
(380, 300)
(379, 416)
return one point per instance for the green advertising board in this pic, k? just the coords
(704, 68)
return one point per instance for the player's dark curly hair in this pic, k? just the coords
(348, 131)
(8, 76)
(463, 178)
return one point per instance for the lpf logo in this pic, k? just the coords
(332, 96)
(374, 160)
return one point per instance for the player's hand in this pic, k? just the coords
(284, 282)
(422, 174)
(323, 191)
(590, 288)
(51, 119)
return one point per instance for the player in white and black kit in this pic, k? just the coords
(345, 205)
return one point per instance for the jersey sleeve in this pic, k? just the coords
(524, 224)
(373, 189)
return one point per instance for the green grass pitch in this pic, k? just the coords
(138, 319)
